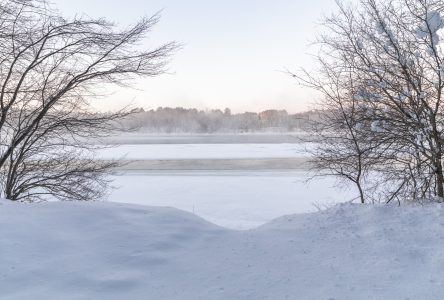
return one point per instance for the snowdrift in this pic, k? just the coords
(119, 251)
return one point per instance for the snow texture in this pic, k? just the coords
(204, 151)
(234, 199)
(431, 27)
(375, 126)
(121, 251)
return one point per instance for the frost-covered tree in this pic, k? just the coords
(381, 71)
(50, 70)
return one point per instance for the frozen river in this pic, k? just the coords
(234, 185)
(205, 151)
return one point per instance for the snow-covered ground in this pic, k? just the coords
(238, 186)
(119, 251)
(234, 199)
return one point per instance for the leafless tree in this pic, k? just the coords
(382, 76)
(339, 148)
(50, 69)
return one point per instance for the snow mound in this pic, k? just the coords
(121, 251)
(4, 201)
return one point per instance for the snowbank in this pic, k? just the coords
(121, 251)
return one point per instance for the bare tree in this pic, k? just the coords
(341, 145)
(384, 61)
(50, 69)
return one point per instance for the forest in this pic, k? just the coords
(183, 120)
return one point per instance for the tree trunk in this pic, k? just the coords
(439, 180)
(361, 194)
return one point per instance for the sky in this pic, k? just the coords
(234, 52)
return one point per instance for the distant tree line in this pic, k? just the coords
(183, 120)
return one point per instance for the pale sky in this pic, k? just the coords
(233, 54)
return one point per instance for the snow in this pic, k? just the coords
(203, 151)
(432, 25)
(434, 21)
(382, 84)
(112, 251)
(239, 186)
(249, 189)
(359, 44)
(233, 199)
(374, 126)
